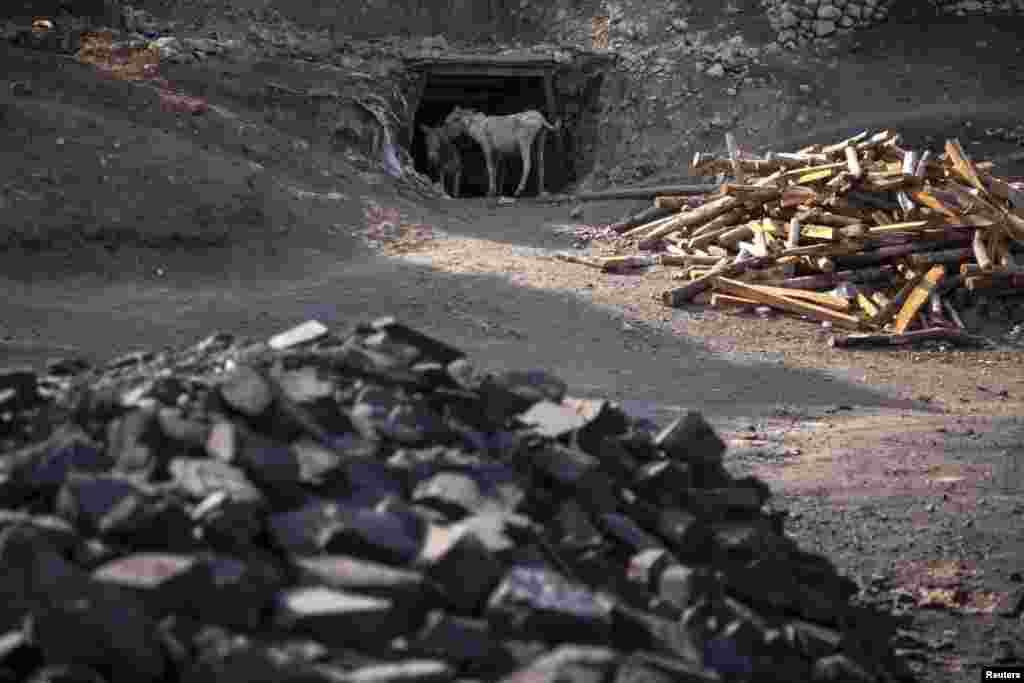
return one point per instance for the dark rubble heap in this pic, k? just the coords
(370, 508)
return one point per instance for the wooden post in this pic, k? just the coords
(555, 112)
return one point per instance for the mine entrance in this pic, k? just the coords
(493, 87)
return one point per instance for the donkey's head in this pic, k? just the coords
(433, 138)
(459, 116)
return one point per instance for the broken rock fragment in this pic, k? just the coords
(371, 509)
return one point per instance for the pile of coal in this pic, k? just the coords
(372, 509)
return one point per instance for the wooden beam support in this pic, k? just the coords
(919, 297)
(786, 303)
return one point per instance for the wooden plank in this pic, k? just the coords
(852, 162)
(648, 227)
(981, 254)
(681, 295)
(909, 226)
(786, 303)
(854, 341)
(735, 235)
(644, 217)
(933, 202)
(887, 312)
(799, 172)
(919, 297)
(840, 146)
(734, 157)
(867, 305)
(816, 175)
(962, 165)
(726, 301)
(836, 303)
(696, 216)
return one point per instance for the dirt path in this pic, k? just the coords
(902, 465)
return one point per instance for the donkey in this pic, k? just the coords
(444, 155)
(499, 136)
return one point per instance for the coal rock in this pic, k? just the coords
(370, 508)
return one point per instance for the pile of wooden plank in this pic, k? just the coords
(862, 234)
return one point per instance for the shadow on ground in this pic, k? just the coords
(499, 323)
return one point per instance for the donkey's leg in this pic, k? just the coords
(489, 158)
(542, 139)
(457, 182)
(524, 150)
(500, 166)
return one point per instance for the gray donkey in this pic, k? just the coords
(443, 154)
(499, 136)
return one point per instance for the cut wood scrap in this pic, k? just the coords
(968, 221)
(688, 260)
(726, 220)
(889, 184)
(854, 341)
(732, 237)
(701, 214)
(962, 165)
(933, 202)
(836, 303)
(734, 157)
(610, 263)
(918, 297)
(677, 297)
(765, 275)
(998, 246)
(815, 176)
(649, 226)
(852, 162)
(991, 280)
(644, 217)
(826, 281)
(797, 195)
(867, 305)
(759, 245)
(824, 264)
(726, 301)
(810, 231)
(947, 256)
(822, 250)
(786, 303)
(822, 217)
(981, 254)
(839, 147)
(801, 172)
(886, 313)
(708, 164)
(880, 299)
(582, 260)
(997, 187)
(1013, 223)
(881, 218)
(749, 193)
(671, 201)
(793, 236)
(909, 226)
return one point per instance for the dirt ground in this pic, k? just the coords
(128, 227)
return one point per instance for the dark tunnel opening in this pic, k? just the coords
(495, 95)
